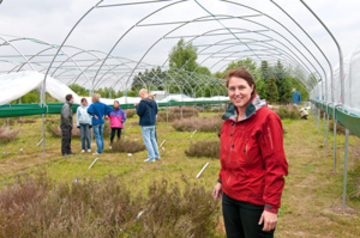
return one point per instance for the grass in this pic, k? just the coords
(311, 198)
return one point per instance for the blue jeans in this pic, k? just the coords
(149, 137)
(98, 133)
(85, 135)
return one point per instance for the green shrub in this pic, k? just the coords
(209, 149)
(37, 207)
(8, 135)
(205, 124)
(288, 112)
(127, 146)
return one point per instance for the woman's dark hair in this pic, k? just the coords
(83, 100)
(243, 73)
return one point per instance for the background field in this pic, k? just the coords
(311, 200)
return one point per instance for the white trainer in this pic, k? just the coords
(82, 151)
(149, 160)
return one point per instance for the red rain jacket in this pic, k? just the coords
(253, 163)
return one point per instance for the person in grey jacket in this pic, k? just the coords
(83, 121)
(66, 125)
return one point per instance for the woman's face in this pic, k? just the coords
(239, 92)
(116, 104)
(84, 103)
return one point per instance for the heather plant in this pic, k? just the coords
(208, 124)
(38, 207)
(175, 114)
(210, 149)
(130, 113)
(339, 129)
(8, 135)
(127, 146)
(26, 121)
(54, 129)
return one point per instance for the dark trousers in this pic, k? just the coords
(113, 131)
(242, 218)
(66, 140)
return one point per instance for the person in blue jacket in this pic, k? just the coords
(147, 110)
(98, 110)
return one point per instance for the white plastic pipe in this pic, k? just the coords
(202, 170)
(91, 165)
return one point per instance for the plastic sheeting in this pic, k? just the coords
(351, 80)
(352, 85)
(16, 85)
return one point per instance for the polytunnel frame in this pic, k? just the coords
(331, 80)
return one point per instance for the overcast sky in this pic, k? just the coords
(51, 20)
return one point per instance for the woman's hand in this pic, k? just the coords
(96, 117)
(217, 193)
(269, 219)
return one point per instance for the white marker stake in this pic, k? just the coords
(91, 165)
(39, 142)
(193, 133)
(202, 170)
(162, 143)
(129, 154)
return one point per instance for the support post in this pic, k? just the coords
(345, 167)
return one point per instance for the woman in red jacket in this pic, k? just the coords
(253, 163)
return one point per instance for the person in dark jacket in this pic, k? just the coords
(147, 111)
(253, 163)
(66, 125)
(98, 110)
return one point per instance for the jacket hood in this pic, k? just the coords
(149, 101)
(255, 104)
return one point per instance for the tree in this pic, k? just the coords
(183, 57)
(283, 84)
(272, 92)
(155, 77)
(248, 63)
(265, 70)
(79, 90)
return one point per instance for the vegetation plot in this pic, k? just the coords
(127, 146)
(209, 149)
(8, 135)
(86, 208)
(208, 124)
